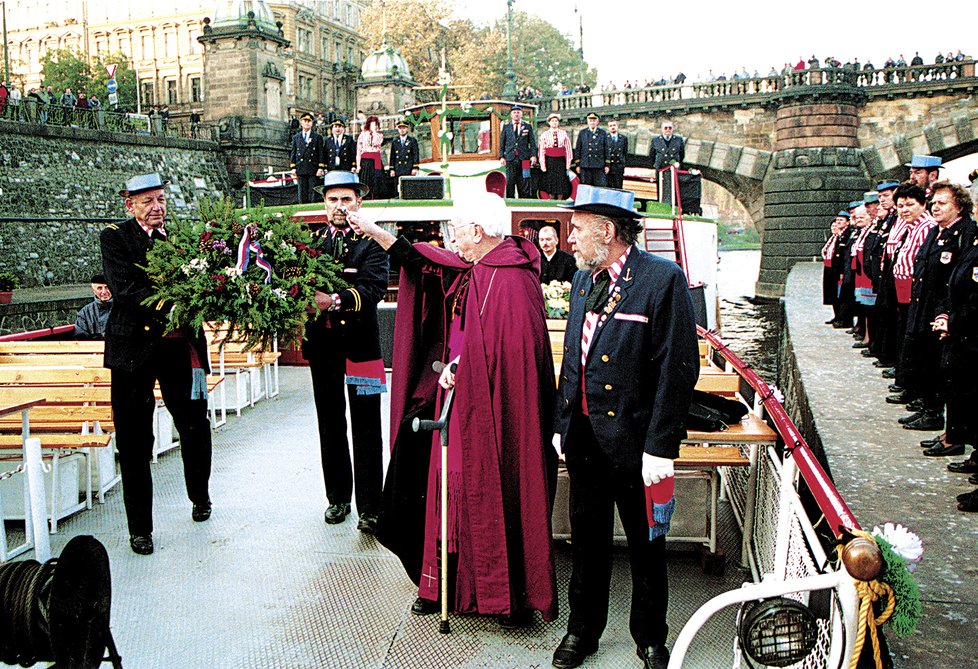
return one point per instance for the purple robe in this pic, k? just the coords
(501, 415)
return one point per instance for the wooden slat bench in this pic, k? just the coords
(71, 422)
(257, 369)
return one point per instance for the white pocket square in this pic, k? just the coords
(637, 318)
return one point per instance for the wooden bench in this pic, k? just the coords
(76, 419)
(256, 372)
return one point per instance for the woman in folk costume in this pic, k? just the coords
(556, 154)
(370, 166)
(830, 273)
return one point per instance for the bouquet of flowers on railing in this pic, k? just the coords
(557, 296)
(257, 272)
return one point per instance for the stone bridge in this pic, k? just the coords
(795, 149)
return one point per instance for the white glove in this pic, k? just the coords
(556, 443)
(447, 378)
(656, 469)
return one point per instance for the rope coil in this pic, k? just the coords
(24, 635)
(870, 592)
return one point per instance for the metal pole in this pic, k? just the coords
(580, 23)
(139, 94)
(509, 89)
(6, 51)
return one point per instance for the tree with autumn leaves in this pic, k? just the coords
(543, 57)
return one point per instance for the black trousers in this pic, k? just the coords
(514, 178)
(596, 487)
(616, 177)
(593, 176)
(306, 184)
(338, 472)
(133, 405)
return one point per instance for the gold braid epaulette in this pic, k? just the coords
(357, 302)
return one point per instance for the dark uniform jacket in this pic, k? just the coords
(936, 259)
(672, 150)
(962, 310)
(617, 150)
(342, 157)
(352, 331)
(561, 267)
(133, 329)
(521, 146)
(591, 148)
(875, 246)
(307, 157)
(404, 156)
(642, 364)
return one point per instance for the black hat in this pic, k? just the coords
(403, 124)
(338, 122)
(306, 115)
(592, 115)
(341, 179)
(98, 278)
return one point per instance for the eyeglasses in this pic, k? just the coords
(452, 228)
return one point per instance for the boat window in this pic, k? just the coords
(422, 132)
(470, 135)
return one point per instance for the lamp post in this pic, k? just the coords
(580, 23)
(6, 51)
(509, 89)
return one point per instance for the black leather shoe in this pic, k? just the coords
(517, 620)
(852, 331)
(941, 450)
(141, 544)
(965, 495)
(201, 512)
(964, 467)
(915, 405)
(894, 388)
(368, 523)
(336, 513)
(917, 415)
(883, 364)
(424, 607)
(930, 422)
(899, 398)
(969, 503)
(831, 321)
(572, 650)
(973, 479)
(839, 326)
(889, 373)
(860, 344)
(654, 657)
(867, 354)
(933, 441)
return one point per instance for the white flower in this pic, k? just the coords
(279, 293)
(269, 234)
(199, 264)
(186, 269)
(233, 272)
(905, 543)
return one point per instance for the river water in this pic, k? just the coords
(750, 328)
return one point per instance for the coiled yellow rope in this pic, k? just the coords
(870, 592)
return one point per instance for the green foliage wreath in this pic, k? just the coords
(198, 272)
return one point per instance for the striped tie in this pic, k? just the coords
(595, 300)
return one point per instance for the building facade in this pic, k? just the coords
(161, 40)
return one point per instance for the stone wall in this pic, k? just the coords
(71, 176)
(39, 314)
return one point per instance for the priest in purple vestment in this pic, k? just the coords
(481, 308)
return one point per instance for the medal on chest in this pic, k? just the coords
(946, 257)
(974, 274)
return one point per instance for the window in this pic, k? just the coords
(171, 91)
(305, 87)
(146, 88)
(325, 48)
(193, 46)
(326, 87)
(304, 39)
(170, 45)
(101, 46)
(147, 46)
(196, 93)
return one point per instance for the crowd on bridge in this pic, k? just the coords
(893, 70)
(901, 274)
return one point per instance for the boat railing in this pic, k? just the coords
(787, 557)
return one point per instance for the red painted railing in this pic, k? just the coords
(837, 512)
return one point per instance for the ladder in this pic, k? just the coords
(665, 238)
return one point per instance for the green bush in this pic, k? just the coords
(8, 281)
